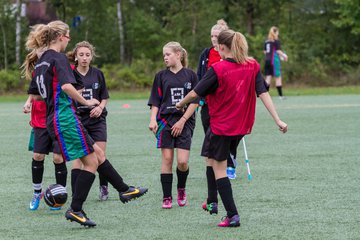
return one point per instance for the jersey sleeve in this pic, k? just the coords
(64, 72)
(194, 82)
(277, 45)
(208, 84)
(260, 84)
(104, 93)
(33, 88)
(156, 92)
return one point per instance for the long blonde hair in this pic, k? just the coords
(72, 54)
(40, 37)
(237, 43)
(176, 47)
(273, 33)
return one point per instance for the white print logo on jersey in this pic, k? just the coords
(41, 86)
(176, 95)
(187, 85)
(95, 85)
(87, 93)
(268, 47)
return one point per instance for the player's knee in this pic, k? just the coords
(57, 158)
(39, 157)
(182, 165)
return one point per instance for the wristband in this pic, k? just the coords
(184, 118)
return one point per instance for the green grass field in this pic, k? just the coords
(305, 182)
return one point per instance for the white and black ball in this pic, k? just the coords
(55, 195)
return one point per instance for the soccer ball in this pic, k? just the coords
(55, 195)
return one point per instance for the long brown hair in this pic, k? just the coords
(237, 43)
(40, 37)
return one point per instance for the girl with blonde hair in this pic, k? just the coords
(273, 54)
(230, 87)
(173, 128)
(53, 81)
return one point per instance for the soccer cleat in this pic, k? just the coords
(167, 203)
(212, 208)
(181, 198)
(230, 171)
(282, 98)
(234, 221)
(79, 217)
(104, 193)
(55, 208)
(132, 193)
(35, 201)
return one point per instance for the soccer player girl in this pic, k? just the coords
(230, 87)
(53, 79)
(93, 118)
(173, 128)
(273, 52)
(41, 144)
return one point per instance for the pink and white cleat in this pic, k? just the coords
(181, 198)
(167, 203)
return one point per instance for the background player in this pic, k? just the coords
(272, 51)
(207, 58)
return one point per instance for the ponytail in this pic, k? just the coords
(237, 43)
(40, 37)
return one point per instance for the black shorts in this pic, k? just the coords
(166, 140)
(218, 147)
(96, 128)
(269, 68)
(43, 142)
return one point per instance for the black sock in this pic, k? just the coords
(103, 181)
(112, 176)
(225, 191)
(61, 173)
(211, 183)
(279, 89)
(82, 187)
(37, 170)
(182, 176)
(166, 183)
(74, 175)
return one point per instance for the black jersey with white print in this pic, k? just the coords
(94, 87)
(170, 88)
(52, 71)
(270, 48)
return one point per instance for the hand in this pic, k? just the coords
(179, 106)
(153, 126)
(282, 126)
(27, 107)
(178, 127)
(96, 112)
(92, 102)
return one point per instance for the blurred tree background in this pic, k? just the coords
(320, 37)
